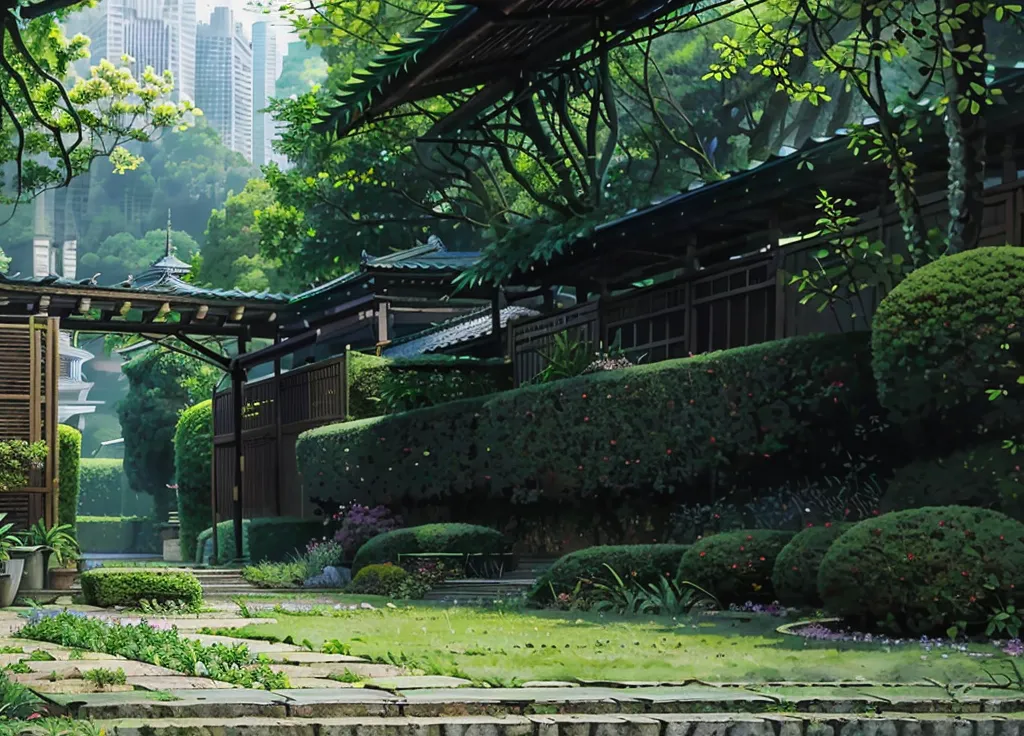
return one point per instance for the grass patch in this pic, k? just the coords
(494, 645)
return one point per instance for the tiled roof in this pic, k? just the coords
(165, 284)
(453, 332)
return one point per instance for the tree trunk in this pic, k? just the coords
(966, 131)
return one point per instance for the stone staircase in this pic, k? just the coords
(218, 583)
(513, 584)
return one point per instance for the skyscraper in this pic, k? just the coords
(156, 33)
(224, 80)
(264, 84)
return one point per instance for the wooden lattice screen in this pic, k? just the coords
(29, 362)
(275, 412)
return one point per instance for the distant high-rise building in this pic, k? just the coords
(156, 33)
(224, 79)
(264, 84)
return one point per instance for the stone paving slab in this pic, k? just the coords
(306, 683)
(418, 682)
(70, 687)
(335, 703)
(256, 646)
(327, 669)
(185, 704)
(178, 682)
(302, 657)
(69, 668)
(491, 701)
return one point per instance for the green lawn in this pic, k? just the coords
(500, 646)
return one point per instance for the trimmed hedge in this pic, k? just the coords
(281, 539)
(117, 534)
(108, 587)
(104, 490)
(461, 538)
(650, 562)
(938, 337)
(587, 439)
(987, 476)
(70, 449)
(225, 542)
(795, 576)
(384, 579)
(735, 566)
(193, 457)
(379, 386)
(923, 570)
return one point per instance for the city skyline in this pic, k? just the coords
(224, 79)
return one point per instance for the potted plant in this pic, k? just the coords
(58, 541)
(10, 570)
(65, 558)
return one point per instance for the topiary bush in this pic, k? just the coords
(650, 562)
(70, 449)
(193, 458)
(383, 579)
(440, 538)
(281, 539)
(950, 332)
(365, 375)
(987, 476)
(795, 575)
(108, 587)
(735, 566)
(923, 570)
(587, 441)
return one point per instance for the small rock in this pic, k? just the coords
(366, 607)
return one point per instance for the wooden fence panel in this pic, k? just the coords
(275, 411)
(530, 339)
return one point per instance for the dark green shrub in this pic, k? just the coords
(193, 457)
(117, 534)
(108, 587)
(735, 566)
(987, 476)
(921, 571)
(650, 562)
(281, 539)
(225, 543)
(461, 538)
(587, 440)
(70, 441)
(795, 576)
(275, 574)
(939, 338)
(385, 579)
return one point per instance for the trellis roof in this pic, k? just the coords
(490, 42)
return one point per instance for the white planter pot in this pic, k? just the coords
(10, 581)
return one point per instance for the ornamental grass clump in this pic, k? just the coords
(735, 566)
(925, 571)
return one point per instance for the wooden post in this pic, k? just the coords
(238, 400)
(277, 430)
(52, 368)
(213, 480)
(496, 320)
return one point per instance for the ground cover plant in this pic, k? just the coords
(163, 646)
(500, 644)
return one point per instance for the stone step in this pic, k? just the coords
(789, 724)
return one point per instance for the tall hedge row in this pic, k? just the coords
(584, 439)
(193, 457)
(70, 442)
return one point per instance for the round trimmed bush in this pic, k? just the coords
(108, 587)
(436, 538)
(735, 566)
(385, 579)
(795, 575)
(987, 476)
(649, 561)
(921, 571)
(938, 338)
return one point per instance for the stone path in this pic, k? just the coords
(334, 694)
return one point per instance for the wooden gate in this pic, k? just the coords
(29, 363)
(275, 411)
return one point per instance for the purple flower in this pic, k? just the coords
(362, 523)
